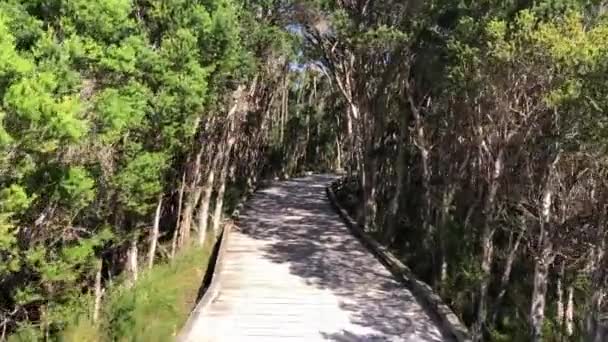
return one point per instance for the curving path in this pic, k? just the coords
(293, 272)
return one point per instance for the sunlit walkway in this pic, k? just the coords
(293, 272)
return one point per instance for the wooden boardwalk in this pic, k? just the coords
(293, 272)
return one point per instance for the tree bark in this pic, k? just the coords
(191, 202)
(539, 293)
(284, 110)
(543, 260)
(570, 312)
(369, 176)
(487, 246)
(422, 145)
(393, 208)
(132, 255)
(98, 291)
(596, 300)
(560, 307)
(192, 196)
(176, 232)
(352, 117)
(506, 274)
(203, 212)
(219, 199)
(444, 217)
(338, 154)
(155, 232)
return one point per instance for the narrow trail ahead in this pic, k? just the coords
(292, 271)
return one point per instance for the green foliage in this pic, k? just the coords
(105, 20)
(77, 188)
(153, 310)
(140, 181)
(13, 201)
(523, 80)
(121, 110)
(99, 103)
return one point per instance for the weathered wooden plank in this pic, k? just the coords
(293, 271)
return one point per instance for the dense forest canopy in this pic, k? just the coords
(474, 134)
(476, 138)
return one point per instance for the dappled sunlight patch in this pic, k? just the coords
(299, 245)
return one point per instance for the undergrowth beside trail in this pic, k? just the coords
(154, 309)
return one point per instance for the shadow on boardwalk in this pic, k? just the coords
(302, 230)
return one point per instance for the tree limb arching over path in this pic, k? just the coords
(293, 271)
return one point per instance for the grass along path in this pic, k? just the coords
(152, 310)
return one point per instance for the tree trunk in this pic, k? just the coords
(338, 154)
(132, 254)
(369, 190)
(570, 312)
(176, 232)
(98, 291)
(539, 293)
(352, 117)
(203, 211)
(219, 202)
(219, 199)
(188, 213)
(284, 110)
(193, 195)
(422, 145)
(393, 208)
(559, 313)
(155, 233)
(506, 274)
(598, 294)
(543, 260)
(595, 301)
(487, 246)
(4, 325)
(444, 217)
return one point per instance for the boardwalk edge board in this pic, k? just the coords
(449, 320)
(215, 264)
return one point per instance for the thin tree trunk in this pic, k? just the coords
(284, 110)
(202, 219)
(219, 199)
(543, 261)
(506, 274)
(444, 217)
(98, 291)
(570, 312)
(369, 188)
(539, 293)
(393, 208)
(338, 154)
(192, 197)
(132, 255)
(226, 160)
(487, 246)
(176, 232)
(352, 117)
(559, 314)
(596, 300)
(203, 212)
(422, 145)
(595, 331)
(188, 213)
(4, 324)
(155, 233)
